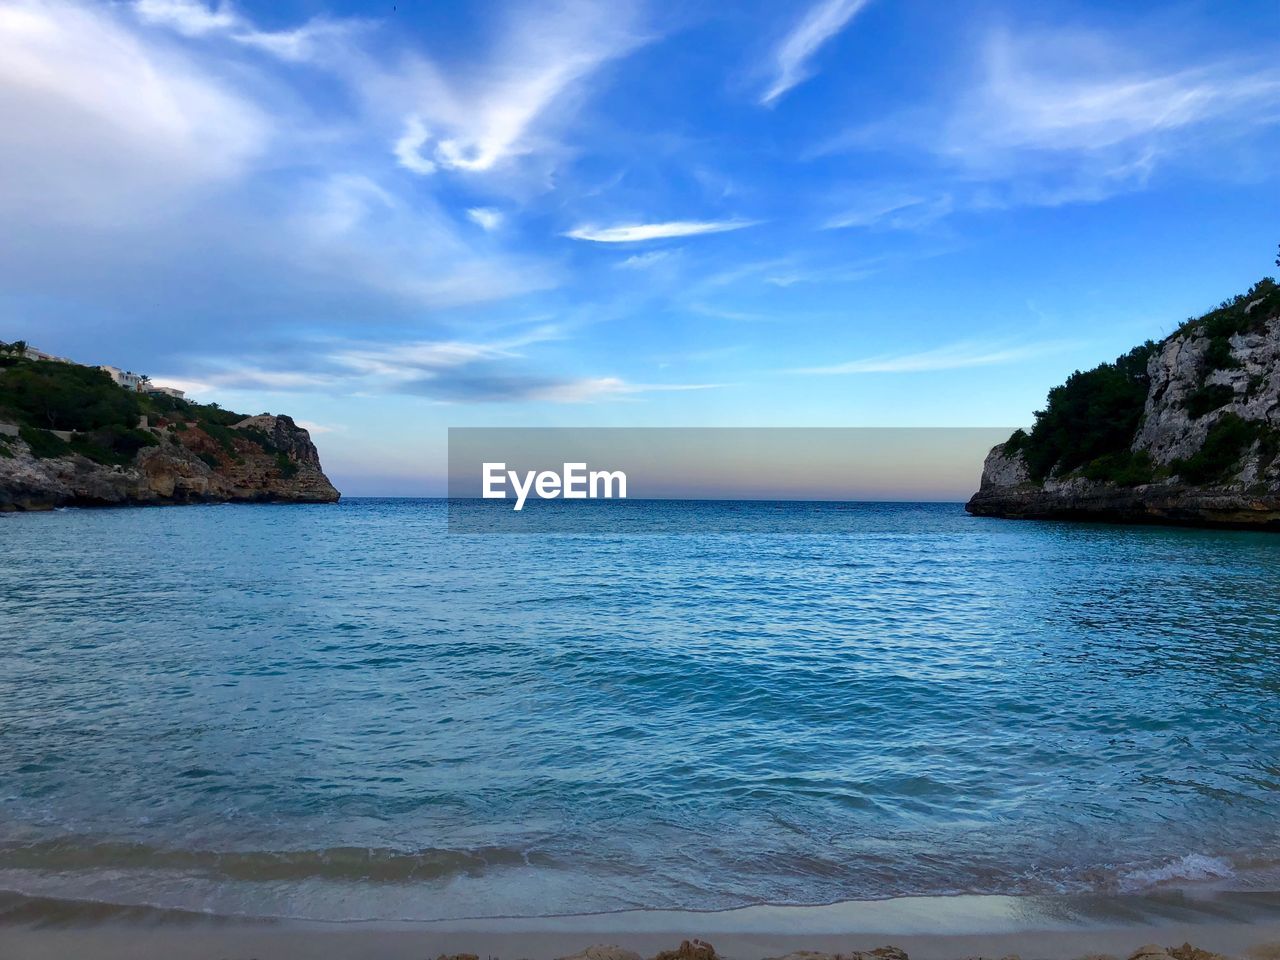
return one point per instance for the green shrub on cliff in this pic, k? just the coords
(1125, 469)
(1243, 314)
(1094, 414)
(113, 444)
(64, 396)
(44, 444)
(288, 469)
(1208, 398)
(1089, 423)
(1225, 443)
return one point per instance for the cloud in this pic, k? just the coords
(455, 371)
(193, 18)
(635, 232)
(1071, 117)
(901, 212)
(402, 362)
(643, 261)
(603, 388)
(315, 428)
(350, 231)
(955, 356)
(486, 218)
(1079, 120)
(152, 177)
(791, 57)
(408, 149)
(1081, 94)
(483, 116)
(188, 17)
(485, 386)
(75, 84)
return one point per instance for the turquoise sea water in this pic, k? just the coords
(346, 711)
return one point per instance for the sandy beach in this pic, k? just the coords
(951, 928)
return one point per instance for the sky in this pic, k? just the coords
(387, 219)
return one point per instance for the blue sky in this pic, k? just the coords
(387, 219)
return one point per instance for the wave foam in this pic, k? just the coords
(1194, 867)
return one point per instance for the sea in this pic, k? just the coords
(343, 712)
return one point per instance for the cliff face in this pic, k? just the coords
(259, 459)
(1205, 451)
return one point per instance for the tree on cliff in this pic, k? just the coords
(66, 396)
(1095, 413)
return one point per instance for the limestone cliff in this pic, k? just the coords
(1203, 448)
(259, 459)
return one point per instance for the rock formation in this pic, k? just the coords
(1202, 449)
(257, 460)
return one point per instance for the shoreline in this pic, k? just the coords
(927, 928)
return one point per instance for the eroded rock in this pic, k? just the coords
(183, 467)
(689, 950)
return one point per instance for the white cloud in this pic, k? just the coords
(955, 356)
(484, 116)
(354, 232)
(1073, 117)
(194, 18)
(1080, 94)
(190, 18)
(486, 218)
(96, 125)
(643, 261)
(455, 371)
(791, 58)
(315, 428)
(408, 149)
(632, 233)
(408, 361)
(901, 212)
(605, 388)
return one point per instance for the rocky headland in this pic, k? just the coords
(1184, 431)
(69, 436)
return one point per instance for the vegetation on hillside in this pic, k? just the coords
(41, 396)
(1090, 420)
(1089, 423)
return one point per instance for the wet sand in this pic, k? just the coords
(936, 928)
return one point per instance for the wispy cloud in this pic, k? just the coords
(1082, 94)
(900, 212)
(791, 57)
(452, 371)
(604, 388)
(475, 119)
(643, 261)
(194, 18)
(76, 83)
(956, 356)
(189, 17)
(408, 148)
(1070, 117)
(486, 218)
(634, 232)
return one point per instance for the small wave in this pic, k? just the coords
(334, 863)
(1194, 867)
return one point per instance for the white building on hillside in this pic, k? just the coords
(34, 353)
(166, 391)
(124, 378)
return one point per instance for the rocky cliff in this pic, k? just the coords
(1191, 436)
(258, 459)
